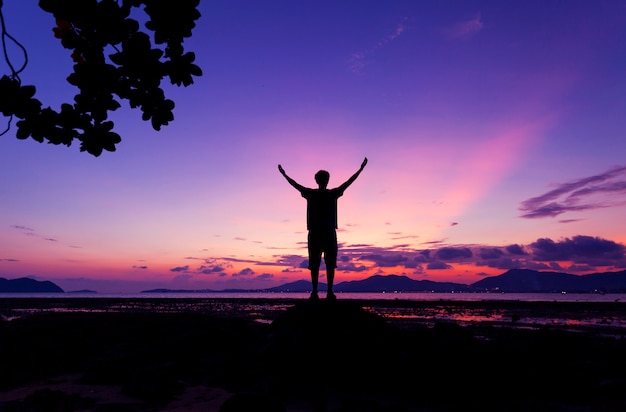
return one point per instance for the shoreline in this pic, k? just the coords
(607, 316)
(157, 354)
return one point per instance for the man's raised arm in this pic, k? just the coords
(348, 182)
(292, 182)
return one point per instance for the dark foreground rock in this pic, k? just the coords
(317, 356)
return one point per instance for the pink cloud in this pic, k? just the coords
(358, 60)
(465, 29)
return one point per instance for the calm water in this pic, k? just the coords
(419, 296)
(599, 313)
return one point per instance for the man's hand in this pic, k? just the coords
(362, 164)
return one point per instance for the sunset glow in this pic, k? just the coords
(495, 134)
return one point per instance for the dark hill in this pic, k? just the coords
(512, 281)
(525, 280)
(27, 285)
(299, 286)
(396, 283)
(377, 284)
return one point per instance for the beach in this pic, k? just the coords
(296, 355)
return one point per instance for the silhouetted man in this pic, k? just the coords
(321, 221)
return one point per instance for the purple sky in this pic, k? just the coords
(495, 133)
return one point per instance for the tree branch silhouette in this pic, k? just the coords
(113, 60)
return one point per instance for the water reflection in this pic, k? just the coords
(603, 317)
(574, 317)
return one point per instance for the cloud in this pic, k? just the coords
(465, 29)
(28, 231)
(358, 245)
(451, 253)
(229, 259)
(290, 270)
(578, 195)
(490, 253)
(434, 242)
(504, 263)
(580, 249)
(141, 267)
(579, 254)
(210, 266)
(207, 270)
(515, 249)
(289, 260)
(569, 220)
(438, 265)
(359, 60)
(20, 227)
(265, 276)
(387, 260)
(554, 209)
(419, 270)
(244, 272)
(540, 255)
(351, 267)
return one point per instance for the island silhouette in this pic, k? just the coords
(511, 281)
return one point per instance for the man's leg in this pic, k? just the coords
(330, 257)
(330, 277)
(315, 259)
(315, 274)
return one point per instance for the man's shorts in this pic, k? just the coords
(322, 242)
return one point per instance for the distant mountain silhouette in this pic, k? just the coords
(27, 285)
(512, 281)
(377, 283)
(396, 283)
(525, 280)
(300, 286)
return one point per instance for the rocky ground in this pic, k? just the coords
(326, 356)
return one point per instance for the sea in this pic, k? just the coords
(410, 296)
(601, 314)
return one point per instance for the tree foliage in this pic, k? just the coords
(114, 60)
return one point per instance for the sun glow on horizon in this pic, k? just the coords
(488, 150)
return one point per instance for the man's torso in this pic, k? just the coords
(321, 208)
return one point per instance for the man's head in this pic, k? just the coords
(322, 177)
